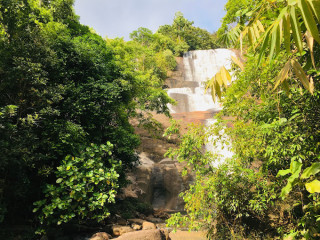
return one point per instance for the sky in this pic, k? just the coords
(118, 18)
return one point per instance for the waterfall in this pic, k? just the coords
(187, 87)
(198, 67)
(157, 180)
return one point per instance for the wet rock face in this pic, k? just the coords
(158, 183)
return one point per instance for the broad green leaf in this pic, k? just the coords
(296, 31)
(295, 168)
(313, 186)
(308, 19)
(59, 180)
(286, 190)
(283, 172)
(286, 32)
(283, 75)
(312, 170)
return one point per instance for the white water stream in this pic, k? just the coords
(198, 67)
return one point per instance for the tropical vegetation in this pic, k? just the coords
(270, 188)
(66, 100)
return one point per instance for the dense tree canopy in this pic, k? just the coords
(179, 37)
(66, 93)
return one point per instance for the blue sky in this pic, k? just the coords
(118, 18)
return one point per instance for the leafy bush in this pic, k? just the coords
(85, 185)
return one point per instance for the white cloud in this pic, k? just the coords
(118, 18)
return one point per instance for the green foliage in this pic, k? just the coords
(228, 198)
(185, 36)
(62, 88)
(85, 185)
(147, 70)
(269, 131)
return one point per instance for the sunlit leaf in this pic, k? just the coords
(292, 2)
(252, 37)
(315, 6)
(273, 43)
(256, 31)
(310, 42)
(283, 172)
(218, 90)
(213, 92)
(278, 38)
(238, 62)
(225, 75)
(301, 75)
(311, 85)
(264, 45)
(286, 32)
(308, 19)
(286, 190)
(313, 186)
(260, 26)
(310, 171)
(283, 74)
(219, 79)
(295, 169)
(296, 29)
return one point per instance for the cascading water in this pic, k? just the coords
(198, 67)
(193, 104)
